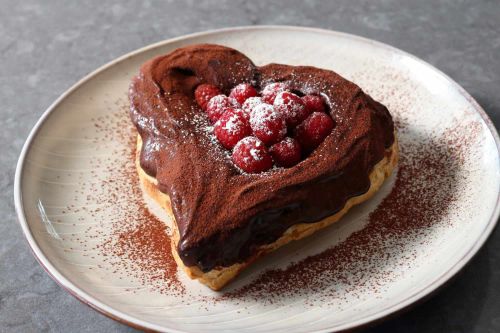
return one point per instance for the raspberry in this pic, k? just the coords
(314, 103)
(235, 103)
(240, 112)
(286, 153)
(291, 107)
(251, 155)
(204, 93)
(231, 128)
(314, 130)
(271, 90)
(217, 106)
(267, 124)
(242, 92)
(250, 104)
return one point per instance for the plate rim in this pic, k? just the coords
(135, 322)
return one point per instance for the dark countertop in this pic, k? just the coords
(47, 46)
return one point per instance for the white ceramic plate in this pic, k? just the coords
(64, 171)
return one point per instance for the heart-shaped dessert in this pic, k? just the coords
(246, 158)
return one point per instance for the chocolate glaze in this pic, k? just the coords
(222, 214)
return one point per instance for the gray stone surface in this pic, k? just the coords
(47, 46)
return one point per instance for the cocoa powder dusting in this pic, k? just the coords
(139, 243)
(148, 246)
(422, 197)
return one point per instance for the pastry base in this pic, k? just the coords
(218, 277)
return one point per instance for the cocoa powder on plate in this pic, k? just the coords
(423, 194)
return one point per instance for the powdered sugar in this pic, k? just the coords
(267, 124)
(242, 92)
(288, 142)
(251, 155)
(271, 90)
(255, 154)
(251, 103)
(219, 101)
(291, 106)
(217, 106)
(286, 153)
(231, 128)
(203, 94)
(233, 124)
